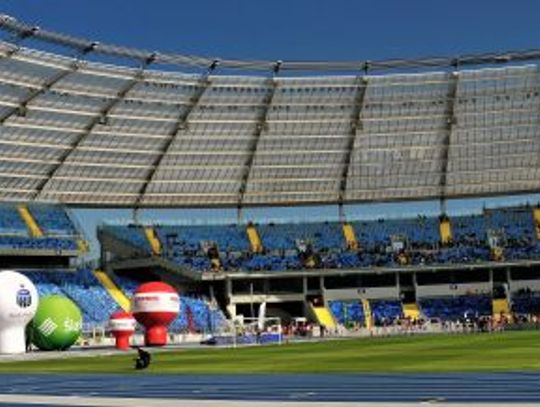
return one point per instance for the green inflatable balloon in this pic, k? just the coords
(57, 323)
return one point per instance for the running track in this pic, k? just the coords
(459, 387)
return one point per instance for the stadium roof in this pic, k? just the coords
(88, 133)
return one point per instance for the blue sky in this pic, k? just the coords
(294, 29)
(298, 29)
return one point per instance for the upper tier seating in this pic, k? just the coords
(322, 245)
(10, 221)
(229, 238)
(469, 229)
(59, 232)
(420, 231)
(322, 236)
(44, 243)
(53, 220)
(131, 234)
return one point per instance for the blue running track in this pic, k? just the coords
(458, 387)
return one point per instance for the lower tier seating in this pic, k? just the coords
(96, 304)
(456, 308)
(526, 303)
(385, 311)
(348, 312)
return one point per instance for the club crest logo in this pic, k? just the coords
(24, 298)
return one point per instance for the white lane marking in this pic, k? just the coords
(145, 402)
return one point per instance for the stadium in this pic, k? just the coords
(447, 302)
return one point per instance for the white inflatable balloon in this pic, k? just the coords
(18, 305)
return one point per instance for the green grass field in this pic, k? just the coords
(510, 351)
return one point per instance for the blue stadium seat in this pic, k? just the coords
(384, 312)
(455, 308)
(59, 233)
(347, 312)
(10, 221)
(294, 246)
(53, 220)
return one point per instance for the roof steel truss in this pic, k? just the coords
(92, 134)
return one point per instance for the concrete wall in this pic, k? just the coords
(516, 285)
(445, 290)
(270, 298)
(370, 293)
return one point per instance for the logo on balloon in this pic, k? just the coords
(24, 298)
(47, 327)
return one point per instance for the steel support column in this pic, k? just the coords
(356, 125)
(259, 128)
(49, 83)
(179, 126)
(449, 125)
(98, 119)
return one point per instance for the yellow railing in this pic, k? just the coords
(153, 240)
(367, 313)
(254, 239)
(501, 306)
(324, 317)
(411, 310)
(445, 230)
(350, 236)
(116, 293)
(536, 214)
(31, 224)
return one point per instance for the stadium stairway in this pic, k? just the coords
(350, 236)
(536, 214)
(121, 299)
(254, 239)
(445, 230)
(368, 317)
(411, 310)
(324, 316)
(31, 224)
(501, 306)
(153, 240)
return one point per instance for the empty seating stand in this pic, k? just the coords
(44, 228)
(456, 308)
(347, 312)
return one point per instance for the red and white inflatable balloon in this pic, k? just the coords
(122, 326)
(155, 305)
